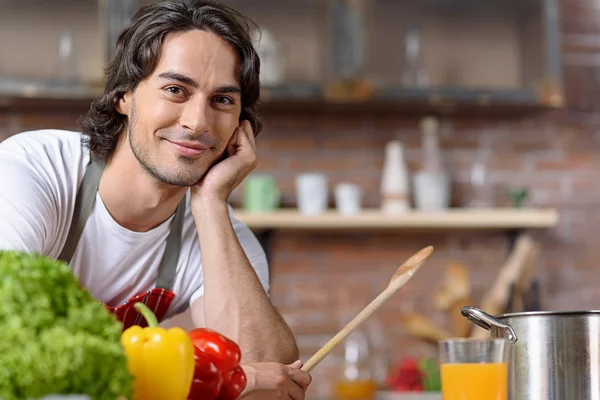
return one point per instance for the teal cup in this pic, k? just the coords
(260, 193)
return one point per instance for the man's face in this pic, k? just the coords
(182, 117)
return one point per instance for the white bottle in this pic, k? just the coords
(395, 185)
(431, 153)
(432, 182)
(482, 195)
(414, 75)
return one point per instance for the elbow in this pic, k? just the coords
(286, 352)
(283, 349)
(292, 354)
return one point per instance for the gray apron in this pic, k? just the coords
(158, 299)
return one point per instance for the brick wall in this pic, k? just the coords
(319, 280)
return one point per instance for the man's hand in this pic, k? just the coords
(269, 380)
(226, 175)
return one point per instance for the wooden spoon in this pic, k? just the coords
(399, 279)
(421, 327)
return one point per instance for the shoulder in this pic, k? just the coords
(38, 171)
(56, 157)
(43, 144)
(39, 175)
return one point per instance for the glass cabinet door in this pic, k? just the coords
(489, 50)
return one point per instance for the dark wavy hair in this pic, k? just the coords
(137, 54)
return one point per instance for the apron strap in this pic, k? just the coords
(168, 264)
(84, 202)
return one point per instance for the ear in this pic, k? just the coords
(124, 104)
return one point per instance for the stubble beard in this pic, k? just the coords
(175, 178)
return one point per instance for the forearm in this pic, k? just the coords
(235, 302)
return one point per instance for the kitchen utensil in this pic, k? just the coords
(418, 325)
(456, 287)
(532, 297)
(399, 279)
(497, 298)
(460, 326)
(523, 300)
(553, 355)
(523, 285)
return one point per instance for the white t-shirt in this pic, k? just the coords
(40, 172)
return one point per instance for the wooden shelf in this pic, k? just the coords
(463, 219)
(18, 93)
(23, 95)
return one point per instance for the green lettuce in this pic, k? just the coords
(56, 338)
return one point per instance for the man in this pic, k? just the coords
(139, 209)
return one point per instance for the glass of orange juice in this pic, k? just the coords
(474, 369)
(356, 379)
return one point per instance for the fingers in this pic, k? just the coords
(301, 378)
(274, 380)
(233, 143)
(247, 128)
(245, 147)
(296, 392)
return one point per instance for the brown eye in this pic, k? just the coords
(175, 90)
(224, 100)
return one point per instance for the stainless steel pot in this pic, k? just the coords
(552, 356)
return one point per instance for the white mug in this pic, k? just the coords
(348, 198)
(431, 191)
(311, 191)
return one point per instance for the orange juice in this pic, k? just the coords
(487, 381)
(354, 390)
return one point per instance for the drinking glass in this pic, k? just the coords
(474, 369)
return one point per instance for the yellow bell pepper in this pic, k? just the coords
(160, 360)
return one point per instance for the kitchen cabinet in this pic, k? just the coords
(424, 55)
(355, 55)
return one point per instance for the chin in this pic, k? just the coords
(185, 174)
(174, 169)
(179, 179)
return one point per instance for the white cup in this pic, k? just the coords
(431, 191)
(311, 191)
(348, 198)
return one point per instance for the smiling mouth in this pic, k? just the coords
(188, 149)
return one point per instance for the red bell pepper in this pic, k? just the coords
(234, 382)
(217, 375)
(224, 352)
(207, 380)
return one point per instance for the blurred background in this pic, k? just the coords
(389, 125)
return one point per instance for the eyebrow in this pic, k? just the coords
(233, 89)
(175, 76)
(186, 80)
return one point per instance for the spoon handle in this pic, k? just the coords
(400, 278)
(348, 329)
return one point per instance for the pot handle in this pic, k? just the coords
(486, 321)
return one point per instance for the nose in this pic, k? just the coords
(196, 116)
